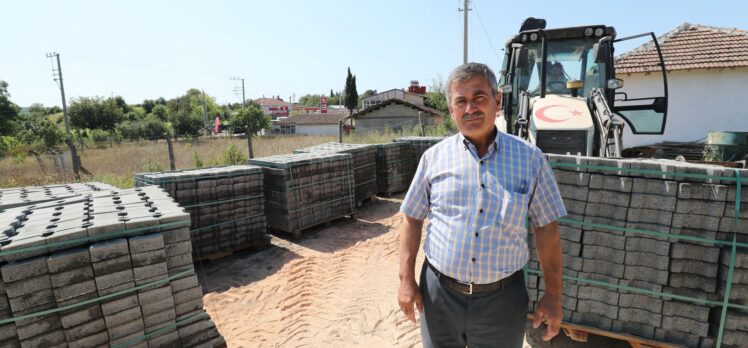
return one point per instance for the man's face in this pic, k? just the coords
(473, 107)
(556, 71)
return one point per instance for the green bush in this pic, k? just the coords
(232, 155)
(100, 137)
(197, 162)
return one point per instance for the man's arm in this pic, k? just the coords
(409, 294)
(548, 309)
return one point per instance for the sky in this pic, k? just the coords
(149, 49)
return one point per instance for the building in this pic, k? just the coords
(394, 114)
(413, 98)
(311, 124)
(275, 107)
(707, 71)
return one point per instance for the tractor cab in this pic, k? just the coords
(560, 87)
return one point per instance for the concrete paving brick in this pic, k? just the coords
(113, 265)
(573, 263)
(655, 187)
(113, 279)
(700, 207)
(155, 319)
(607, 211)
(147, 242)
(188, 295)
(68, 259)
(639, 316)
(194, 328)
(608, 296)
(572, 178)
(692, 281)
(15, 271)
(148, 258)
(610, 183)
(603, 268)
(711, 342)
(686, 310)
(730, 209)
(570, 248)
(88, 329)
(150, 271)
(74, 290)
(166, 325)
(741, 257)
(687, 325)
(151, 308)
(647, 245)
(609, 197)
(646, 274)
(190, 306)
(652, 201)
(95, 340)
(108, 249)
(694, 267)
(158, 280)
(176, 235)
(734, 338)
(178, 248)
(48, 339)
(119, 304)
(133, 340)
(123, 317)
(727, 224)
(156, 295)
(615, 241)
(8, 331)
(704, 170)
(677, 337)
(126, 329)
(597, 252)
(658, 262)
(702, 192)
(167, 340)
(640, 301)
(38, 327)
(650, 216)
(184, 283)
(607, 162)
(598, 308)
(739, 276)
(633, 328)
(574, 206)
(570, 233)
(116, 289)
(81, 315)
(31, 300)
(179, 261)
(71, 276)
(662, 231)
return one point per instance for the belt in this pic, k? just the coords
(470, 288)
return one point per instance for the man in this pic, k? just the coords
(556, 80)
(477, 188)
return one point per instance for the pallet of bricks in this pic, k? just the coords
(364, 157)
(419, 145)
(649, 251)
(306, 189)
(111, 268)
(21, 196)
(226, 206)
(395, 167)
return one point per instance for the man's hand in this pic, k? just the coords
(408, 295)
(548, 311)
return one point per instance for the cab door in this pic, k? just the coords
(645, 114)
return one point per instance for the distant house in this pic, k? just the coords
(311, 124)
(275, 107)
(707, 73)
(393, 114)
(413, 98)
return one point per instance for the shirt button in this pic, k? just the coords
(480, 211)
(473, 259)
(476, 234)
(482, 185)
(481, 162)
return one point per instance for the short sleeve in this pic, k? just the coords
(546, 204)
(416, 203)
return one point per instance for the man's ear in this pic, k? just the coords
(499, 96)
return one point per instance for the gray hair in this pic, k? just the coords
(466, 72)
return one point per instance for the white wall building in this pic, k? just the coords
(707, 82)
(312, 124)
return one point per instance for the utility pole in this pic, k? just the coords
(465, 10)
(244, 103)
(205, 112)
(73, 152)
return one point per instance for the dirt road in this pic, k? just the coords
(336, 287)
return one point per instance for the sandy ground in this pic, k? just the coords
(336, 287)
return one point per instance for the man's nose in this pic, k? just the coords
(471, 107)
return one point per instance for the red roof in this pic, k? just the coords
(689, 46)
(271, 102)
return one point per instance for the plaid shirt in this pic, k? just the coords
(477, 207)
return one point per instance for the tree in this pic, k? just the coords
(367, 93)
(8, 111)
(311, 100)
(95, 113)
(252, 120)
(186, 124)
(120, 102)
(161, 111)
(435, 97)
(148, 105)
(351, 95)
(153, 128)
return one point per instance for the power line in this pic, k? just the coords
(490, 42)
(236, 90)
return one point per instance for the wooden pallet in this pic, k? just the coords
(580, 333)
(365, 200)
(260, 244)
(296, 233)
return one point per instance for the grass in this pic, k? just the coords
(117, 165)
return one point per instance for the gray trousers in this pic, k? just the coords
(490, 319)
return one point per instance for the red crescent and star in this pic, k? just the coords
(540, 114)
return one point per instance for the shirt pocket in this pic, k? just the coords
(514, 207)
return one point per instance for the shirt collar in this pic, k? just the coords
(470, 147)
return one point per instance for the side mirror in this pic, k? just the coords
(601, 52)
(506, 89)
(614, 84)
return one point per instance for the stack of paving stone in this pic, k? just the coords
(226, 205)
(18, 197)
(696, 206)
(111, 268)
(395, 167)
(419, 145)
(306, 189)
(365, 169)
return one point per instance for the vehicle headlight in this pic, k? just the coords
(599, 32)
(588, 32)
